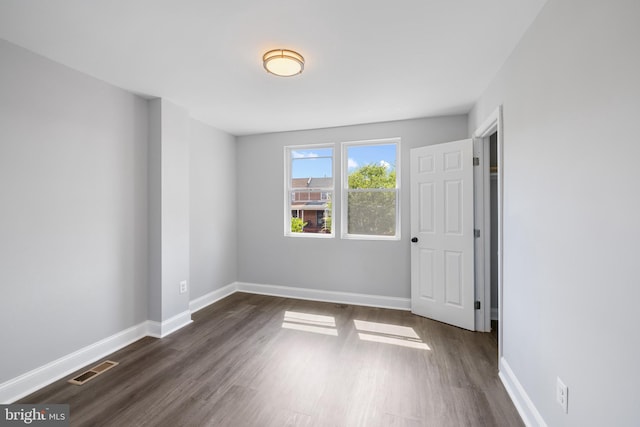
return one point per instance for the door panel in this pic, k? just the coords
(427, 200)
(453, 205)
(453, 277)
(442, 276)
(426, 273)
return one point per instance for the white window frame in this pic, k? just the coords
(288, 190)
(344, 234)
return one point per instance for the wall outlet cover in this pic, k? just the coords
(562, 395)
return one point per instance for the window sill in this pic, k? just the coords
(369, 237)
(311, 235)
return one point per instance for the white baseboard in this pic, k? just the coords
(300, 293)
(211, 297)
(27, 383)
(519, 396)
(326, 296)
(161, 330)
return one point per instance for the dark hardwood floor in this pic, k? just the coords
(252, 360)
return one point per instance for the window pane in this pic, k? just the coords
(310, 186)
(372, 213)
(371, 189)
(310, 214)
(312, 163)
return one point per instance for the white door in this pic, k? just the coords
(442, 275)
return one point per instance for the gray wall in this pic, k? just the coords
(571, 95)
(369, 267)
(168, 208)
(73, 216)
(154, 296)
(212, 213)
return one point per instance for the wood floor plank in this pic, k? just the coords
(253, 360)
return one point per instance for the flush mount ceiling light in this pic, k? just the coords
(283, 62)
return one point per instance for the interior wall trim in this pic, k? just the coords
(162, 329)
(29, 382)
(380, 301)
(214, 296)
(527, 410)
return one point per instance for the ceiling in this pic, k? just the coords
(366, 60)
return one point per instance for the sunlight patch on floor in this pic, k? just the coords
(385, 333)
(307, 322)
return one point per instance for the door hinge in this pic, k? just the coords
(476, 161)
(476, 233)
(477, 305)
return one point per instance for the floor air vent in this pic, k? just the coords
(93, 372)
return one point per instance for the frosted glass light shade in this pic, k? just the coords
(283, 62)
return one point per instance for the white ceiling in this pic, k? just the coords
(366, 60)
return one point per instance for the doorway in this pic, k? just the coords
(488, 177)
(493, 233)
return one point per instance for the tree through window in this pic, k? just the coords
(371, 190)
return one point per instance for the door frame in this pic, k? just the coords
(493, 123)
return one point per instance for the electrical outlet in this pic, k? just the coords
(562, 395)
(183, 287)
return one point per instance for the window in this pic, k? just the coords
(371, 189)
(309, 187)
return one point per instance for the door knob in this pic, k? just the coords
(414, 239)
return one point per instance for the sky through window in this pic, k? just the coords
(317, 163)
